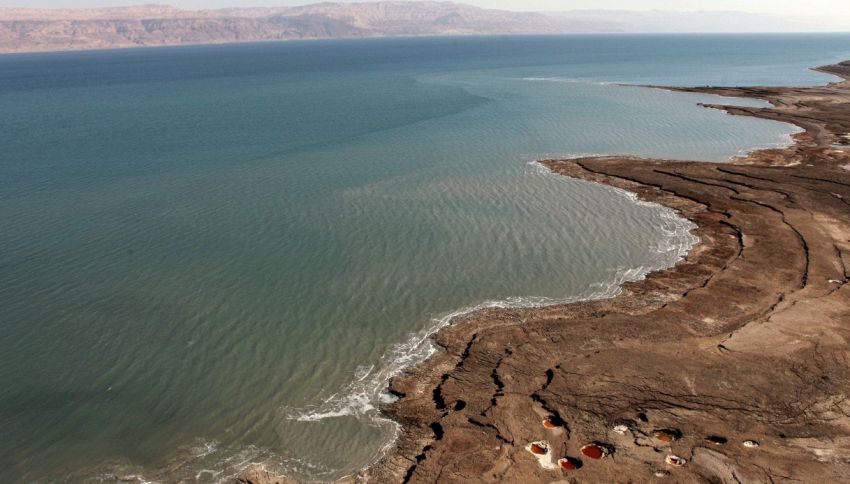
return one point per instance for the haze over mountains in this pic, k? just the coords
(29, 29)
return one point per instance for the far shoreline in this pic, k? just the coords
(5, 53)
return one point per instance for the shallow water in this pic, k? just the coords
(216, 255)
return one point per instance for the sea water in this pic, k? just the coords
(217, 255)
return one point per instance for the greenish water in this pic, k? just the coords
(211, 256)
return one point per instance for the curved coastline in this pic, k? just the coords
(356, 398)
(773, 229)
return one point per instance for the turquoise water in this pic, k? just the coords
(217, 255)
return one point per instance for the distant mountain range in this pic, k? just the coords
(29, 29)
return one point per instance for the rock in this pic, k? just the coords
(716, 467)
(257, 474)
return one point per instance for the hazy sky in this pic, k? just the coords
(810, 7)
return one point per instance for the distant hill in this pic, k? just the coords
(29, 29)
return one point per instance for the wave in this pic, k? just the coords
(535, 167)
(678, 237)
(678, 231)
(207, 461)
(363, 397)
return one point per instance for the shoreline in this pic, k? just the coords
(429, 434)
(666, 351)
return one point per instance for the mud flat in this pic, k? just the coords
(732, 366)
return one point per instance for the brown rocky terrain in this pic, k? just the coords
(735, 361)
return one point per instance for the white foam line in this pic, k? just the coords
(534, 160)
(786, 140)
(677, 229)
(569, 80)
(359, 398)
